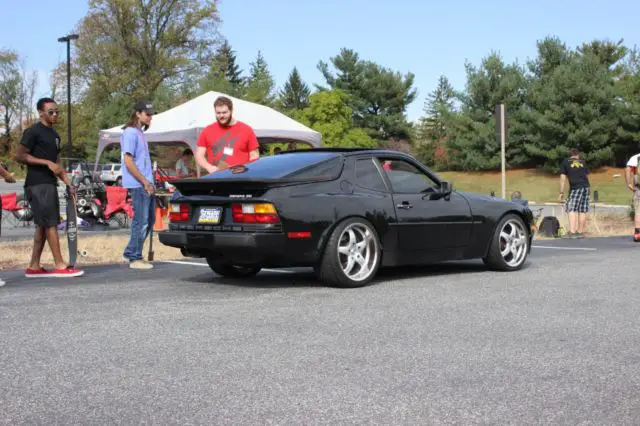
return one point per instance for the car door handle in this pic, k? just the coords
(405, 205)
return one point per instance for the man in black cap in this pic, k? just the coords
(137, 177)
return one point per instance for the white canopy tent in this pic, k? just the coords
(185, 122)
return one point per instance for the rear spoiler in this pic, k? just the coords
(204, 186)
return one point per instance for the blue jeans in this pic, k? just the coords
(143, 220)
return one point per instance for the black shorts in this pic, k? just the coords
(44, 203)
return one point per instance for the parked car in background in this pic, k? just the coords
(165, 175)
(80, 171)
(111, 174)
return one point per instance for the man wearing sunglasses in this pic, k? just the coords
(39, 149)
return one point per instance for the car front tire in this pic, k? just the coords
(509, 246)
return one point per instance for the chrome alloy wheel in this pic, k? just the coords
(513, 243)
(358, 251)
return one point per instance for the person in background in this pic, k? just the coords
(631, 178)
(137, 177)
(576, 172)
(8, 177)
(39, 149)
(182, 165)
(227, 142)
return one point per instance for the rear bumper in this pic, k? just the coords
(222, 240)
(267, 249)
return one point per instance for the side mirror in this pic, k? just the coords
(446, 187)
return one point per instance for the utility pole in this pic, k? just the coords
(501, 130)
(67, 39)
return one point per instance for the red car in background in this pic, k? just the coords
(165, 175)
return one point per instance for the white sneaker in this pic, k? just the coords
(2, 282)
(140, 264)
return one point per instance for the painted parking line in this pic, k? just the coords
(182, 262)
(566, 248)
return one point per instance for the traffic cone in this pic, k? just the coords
(159, 222)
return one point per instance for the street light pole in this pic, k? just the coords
(67, 39)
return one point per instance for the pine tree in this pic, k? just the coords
(438, 102)
(224, 75)
(295, 93)
(260, 84)
(226, 57)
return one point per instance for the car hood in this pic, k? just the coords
(472, 196)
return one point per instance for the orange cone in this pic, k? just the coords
(159, 222)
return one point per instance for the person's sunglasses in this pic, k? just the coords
(53, 112)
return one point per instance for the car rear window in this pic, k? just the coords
(302, 165)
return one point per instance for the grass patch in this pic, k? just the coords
(542, 187)
(101, 250)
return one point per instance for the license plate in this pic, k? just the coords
(210, 215)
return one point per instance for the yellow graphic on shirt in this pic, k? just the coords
(576, 164)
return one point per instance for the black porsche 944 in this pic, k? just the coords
(344, 212)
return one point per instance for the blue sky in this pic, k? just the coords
(428, 38)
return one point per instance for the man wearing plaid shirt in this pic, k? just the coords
(577, 205)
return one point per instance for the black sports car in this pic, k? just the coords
(344, 212)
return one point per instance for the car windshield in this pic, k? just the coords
(302, 165)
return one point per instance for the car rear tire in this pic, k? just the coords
(233, 271)
(509, 245)
(351, 256)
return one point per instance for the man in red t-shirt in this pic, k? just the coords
(227, 142)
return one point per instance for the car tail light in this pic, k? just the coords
(179, 212)
(299, 234)
(255, 213)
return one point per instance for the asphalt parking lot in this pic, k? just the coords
(557, 342)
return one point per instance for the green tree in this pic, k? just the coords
(128, 50)
(133, 47)
(572, 105)
(627, 89)
(260, 84)
(471, 132)
(431, 130)
(224, 75)
(378, 96)
(329, 114)
(10, 83)
(295, 93)
(552, 53)
(608, 53)
(439, 101)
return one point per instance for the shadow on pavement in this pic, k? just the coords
(307, 278)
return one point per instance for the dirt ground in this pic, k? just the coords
(100, 250)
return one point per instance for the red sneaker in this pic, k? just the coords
(35, 273)
(68, 272)
(636, 237)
